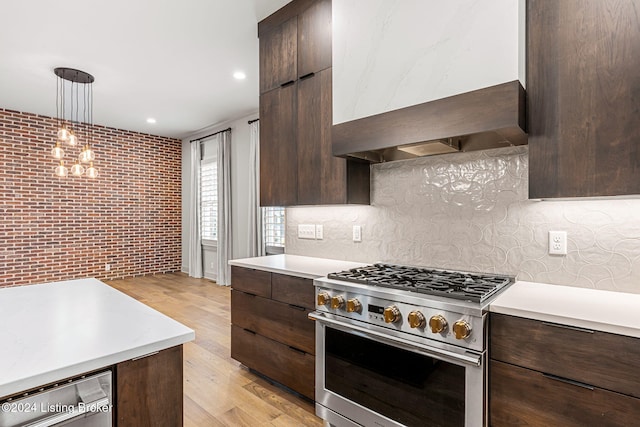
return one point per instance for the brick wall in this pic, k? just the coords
(54, 229)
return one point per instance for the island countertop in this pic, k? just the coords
(53, 331)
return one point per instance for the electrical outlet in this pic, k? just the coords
(319, 232)
(306, 231)
(107, 267)
(557, 243)
(357, 233)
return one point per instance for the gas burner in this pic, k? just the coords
(466, 286)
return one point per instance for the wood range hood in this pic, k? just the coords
(491, 117)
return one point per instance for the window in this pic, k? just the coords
(273, 229)
(209, 199)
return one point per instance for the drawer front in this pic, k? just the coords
(281, 322)
(604, 360)
(255, 282)
(293, 290)
(522, 397)
(277, 361)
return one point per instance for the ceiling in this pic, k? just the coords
(166, 59)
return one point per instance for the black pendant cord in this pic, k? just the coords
(209, 136)
(253, 121)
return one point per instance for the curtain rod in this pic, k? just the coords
(209, 136)
(253, 121)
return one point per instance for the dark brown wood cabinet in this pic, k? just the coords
(314, 38)
(278, 147)
(545, 374)
(583, 97)
(149, 390)
(270, 331)
(296, 162)
(278, 56)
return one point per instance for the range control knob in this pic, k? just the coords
(337, 302)
(391, 314)
(324, 298)
(461, 329)
(437, 324)
(353, 305)
(416, 319)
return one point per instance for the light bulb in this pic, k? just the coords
(61, 170)
(72, 140)
(57, 152)
(91, 171)
(87, 154)
(77, 169)
(63, 134)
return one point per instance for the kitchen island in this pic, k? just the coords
(54, 331)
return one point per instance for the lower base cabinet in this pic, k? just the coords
(523, 397)
(284, 364)
(148, 390)
(547, 374)
(271, 333)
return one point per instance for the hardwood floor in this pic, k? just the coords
(218, 391)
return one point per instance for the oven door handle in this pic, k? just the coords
(436, 353)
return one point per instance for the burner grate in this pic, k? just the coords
(475, 287)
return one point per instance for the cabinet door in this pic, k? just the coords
(278, 55)
(281, 322)
(582, 88)
(149, 390)
(321, 177)
(287, 365)
(568, 352)
(314, 38)
(278, 153)
(522, 397)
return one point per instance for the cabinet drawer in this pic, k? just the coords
(604, 360)
(293, 290)
(281, 322)
(279, 362)
(255, 282)
(522, 397)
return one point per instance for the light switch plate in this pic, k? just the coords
(319, 232)
(557, 243)
(306, 231)
(357, 233)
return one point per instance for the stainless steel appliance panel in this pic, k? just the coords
(82, 402)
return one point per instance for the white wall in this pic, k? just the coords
(470, 211)
(239, 186)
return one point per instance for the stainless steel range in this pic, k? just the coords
(399, 345)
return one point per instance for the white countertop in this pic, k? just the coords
(296, 265)
(58, 330)
(614, 312)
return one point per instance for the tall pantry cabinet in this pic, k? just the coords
(296, 163)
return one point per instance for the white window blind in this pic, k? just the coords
(209, 199)
(273, 227)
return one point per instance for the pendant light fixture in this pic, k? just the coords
(71, 130)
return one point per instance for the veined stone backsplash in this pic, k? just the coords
(470, 211)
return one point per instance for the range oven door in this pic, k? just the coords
(367, 376)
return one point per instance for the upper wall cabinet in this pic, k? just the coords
(584, 98)
(278, 56)
(415, 77)
(296, 162)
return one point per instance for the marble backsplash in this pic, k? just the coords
(470, 211)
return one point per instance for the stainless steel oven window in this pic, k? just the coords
(442, 392)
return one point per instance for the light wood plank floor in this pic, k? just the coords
(218, 391)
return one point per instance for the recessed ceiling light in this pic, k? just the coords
(151, 120)
(239, 75)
